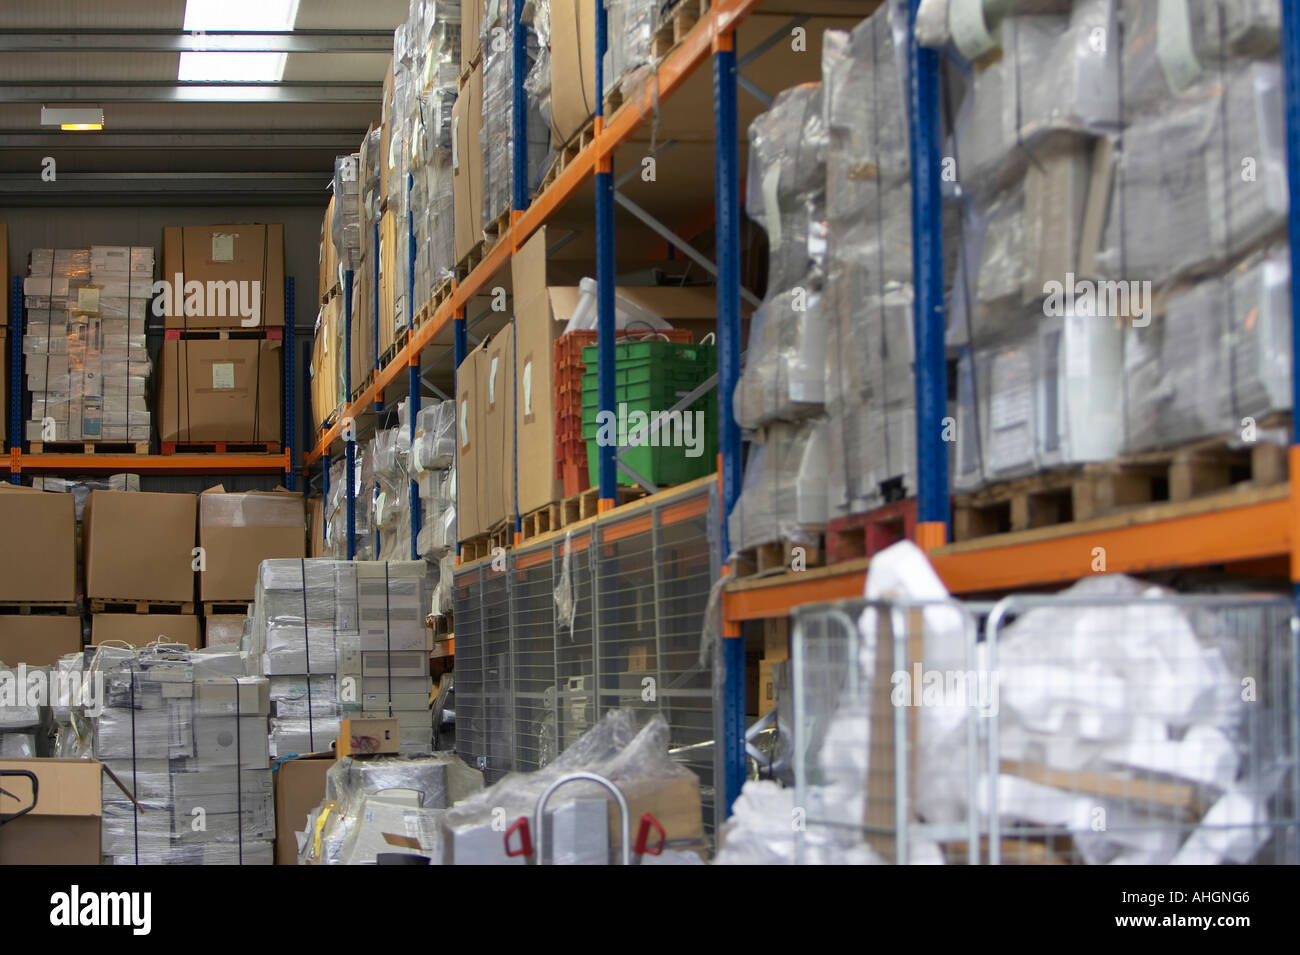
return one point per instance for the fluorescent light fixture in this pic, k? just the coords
(252, 16)
(72, 118)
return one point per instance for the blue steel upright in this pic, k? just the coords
(17, 327)
(324, 496)
(519, 198)
(290, 346)
(605, 327)
(459, 348)
(412, 370)
(349, 429)
(726, 137)
(927, 269)
(1291, 80)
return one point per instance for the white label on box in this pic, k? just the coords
(492, 382)
(223, 247)
(463, 422)
(528, 388)
(223, 376)
(88, 299)
(1010, 409)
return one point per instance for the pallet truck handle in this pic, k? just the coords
(525, 849)
(648, 821)
(36, 788)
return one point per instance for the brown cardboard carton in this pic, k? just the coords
(223, 629)
(315, 527)
(467, 164)
(468, 454)
(212, 390)
(324, 362)
(40, 563)
(674, 801)
(38, 639)
(239, 531)
(363, 323)
(64, 827)
(766, 686)
(139, 545)
(328, 261)
(299, 788)
(224, 253)
(385, 135)
(369, 737)
(535, 334)
(497, 407)
(573, 67)
(139, 629)
(471, 18)
(4, 276)
(387, 276)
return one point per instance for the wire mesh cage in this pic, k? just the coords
(1114, 724)
(887, 696)
(1142, 727)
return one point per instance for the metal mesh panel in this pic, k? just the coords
(533, 615)
(467, 600)
(498, 685)
(575, 663)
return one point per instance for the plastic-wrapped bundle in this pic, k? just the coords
(369, 187)
(783, 495)
(1220, 353)
(366, 798)
(1184, 200)
(435, 437)
(336, 515)
(632, 26)
(81, 487)
(1055, 75)
(787, 181)
(634, 758)
(346, 227)
(498, 139)
(785, 376)
(1169, 47)
(1038, 399)
(391, 501)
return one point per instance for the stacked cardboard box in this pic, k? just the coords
(63, 831)
(45, 573)
(222, 388)
(343, 636)
(86, 357)
(186, 732)
(237, 531)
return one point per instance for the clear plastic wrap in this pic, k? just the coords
(783, 495)
(346, 227)
(367, 799)
(784, 378)
(497, 138)
(635, 758)
(1201, 182)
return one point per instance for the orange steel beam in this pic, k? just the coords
(716, 26)
(1218, 532)
(156, 463)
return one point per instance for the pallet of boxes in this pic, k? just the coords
(84, 348)
(220, 378)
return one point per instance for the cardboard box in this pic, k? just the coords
(327, 260)
(325, 397)
(315, 527)
(223, 629)
(471, 18)
(385, 136)
(239, 531)
(369, 737)
(43, 567)
(467, 163)
(766, 687)
(240, 698)
(139, 546)
(223, 254)
(364, 353)
(299, 788)
(388, 277)
(138, 629)
(38, 640)
(573, 67)
(214, 390)
(64, 827)
(497, 405)
(469, 523)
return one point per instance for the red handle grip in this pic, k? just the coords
(647, 822)
(520, 825)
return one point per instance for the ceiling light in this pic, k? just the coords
(202, 16)
(76, 118)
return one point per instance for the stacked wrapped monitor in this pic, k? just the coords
(185, 733)
(87, 363)
(343, 638)
(497, 40)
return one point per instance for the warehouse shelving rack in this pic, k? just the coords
(21, 461)
(1254, 532)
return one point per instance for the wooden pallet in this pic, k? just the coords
(391, 351)
(220, 447)
(485, 545)
(366, 383)
(1095, 490)
(778, 557)
(132, 605)
(90, 447)
(676, 24)
(440, 295)
(541, 521)
(28, 608)
(864, 535)
(586, 504)
(567, 154)
(239, 607)
(273, 333)
(333, 290)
